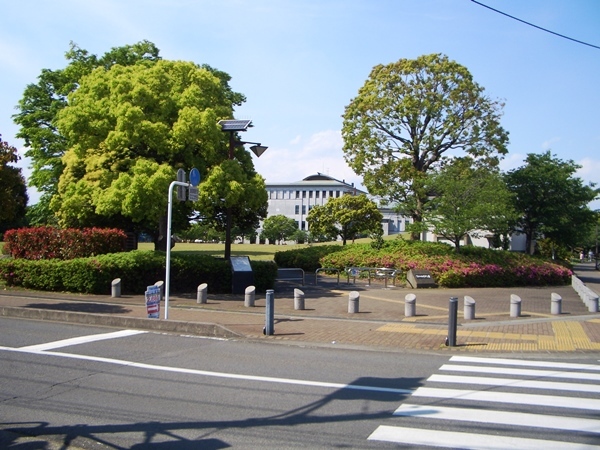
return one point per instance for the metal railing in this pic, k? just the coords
(384, 273)
(327, 269)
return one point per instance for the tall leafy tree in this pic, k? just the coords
(468, 199)
(347, 217)
(129, 128)
(408, 116)
(13, 190)
(41, 103)
(278, 228)
(551, 202)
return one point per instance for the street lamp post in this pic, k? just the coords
(231, 127)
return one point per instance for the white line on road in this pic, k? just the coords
(522, 372)
(578, 424)
(212, 374)
(508, 397)
(526, 363)
(81, 340)
(450, 439)
(516, 383)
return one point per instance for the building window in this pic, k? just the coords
(297, 224)
(303, 210)
(337, 194)
(303, 225)
(330, 194)
(297, 194)
(316, 194)
(309, 194)
(303, 194)
(297, 209)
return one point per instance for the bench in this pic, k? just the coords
(292, 274)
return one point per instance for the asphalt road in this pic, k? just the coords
(88, 387)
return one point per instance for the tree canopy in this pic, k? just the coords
(550, 201)
(116, 140)
(468, 199)
(347, 216)
(13, 190)
(411, 114)
(278, 228)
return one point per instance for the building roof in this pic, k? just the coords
(318, 180)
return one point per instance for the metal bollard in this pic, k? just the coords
(410, 305)
(270, 313)
(202, 293)
(249, 296)
(115, 288)
(353, 300)
(515, 305)
(556, 305)
(452, 321)
(298, 299)
(469, 311)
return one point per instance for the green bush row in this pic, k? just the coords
(472, 267)
(137, 270)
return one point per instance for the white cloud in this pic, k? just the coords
(547, 145)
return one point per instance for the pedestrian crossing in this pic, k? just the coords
(496, 403)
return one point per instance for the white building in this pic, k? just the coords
(296, 199)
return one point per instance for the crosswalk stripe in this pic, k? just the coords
(452, 439)
(526, 363)
(507, 397)
(500, 417)
(516, 383)
(81, 340)
(522, 372)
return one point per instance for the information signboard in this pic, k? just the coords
(153, 301)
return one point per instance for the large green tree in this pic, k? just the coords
(129, 128)
(347, 217)
(278, 228)
(468, 199)
(13, 190)
(39, 108)
(407, 117)
(551, 202)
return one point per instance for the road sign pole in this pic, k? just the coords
(168, 262)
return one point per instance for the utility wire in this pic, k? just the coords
(535, 26)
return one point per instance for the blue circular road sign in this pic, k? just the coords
(194, 177)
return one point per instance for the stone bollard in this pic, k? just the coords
(353, 300)
(592, 303)
(202, 294)
(161, 286)
(556, 305)
(298, 299)
(469, 313)
(410, 305)
(249, 296)
(515, 305)
(115, 288)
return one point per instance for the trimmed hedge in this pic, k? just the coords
(137, 270)
(308, 258)
(55, 243)
(472, 267)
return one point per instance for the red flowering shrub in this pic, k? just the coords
(55, 243)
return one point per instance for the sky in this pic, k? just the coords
(300, 63)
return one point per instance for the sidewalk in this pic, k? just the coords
(379, 324)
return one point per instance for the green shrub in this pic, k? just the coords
(137, 270)
(308, 258)
(473, 267)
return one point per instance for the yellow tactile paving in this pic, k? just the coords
(568, 336)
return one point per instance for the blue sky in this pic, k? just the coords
(300, 62)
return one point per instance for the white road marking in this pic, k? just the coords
(526, 363)
(81, 340)
(210, 374)
(578, 424)
(451, 439)
(507, 397)
(516, 383)
(522, 372)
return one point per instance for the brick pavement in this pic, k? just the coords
(379, 324)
